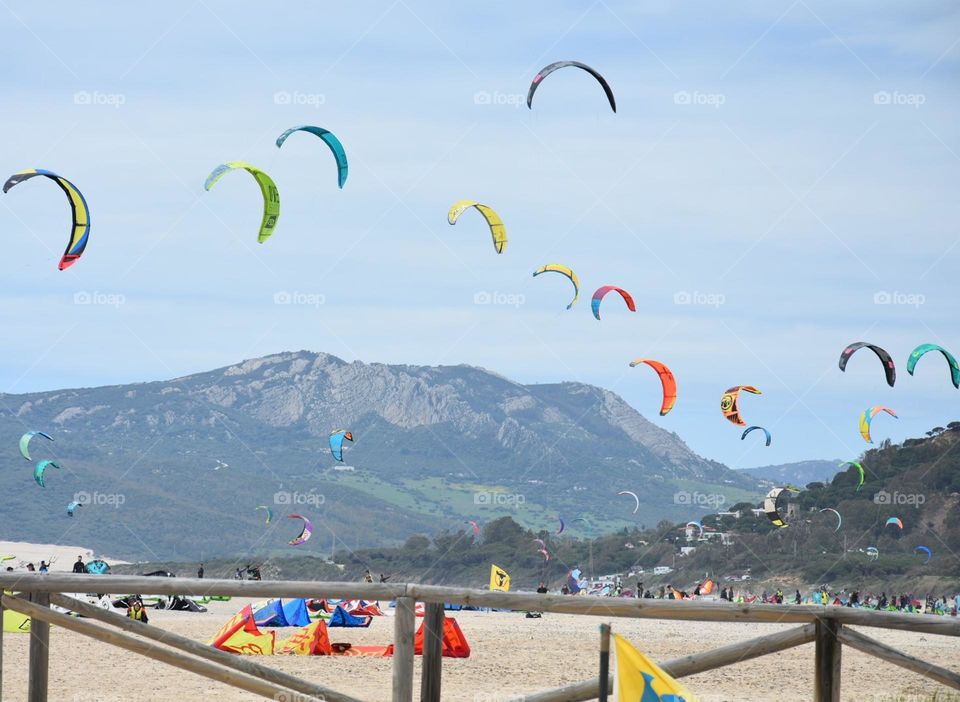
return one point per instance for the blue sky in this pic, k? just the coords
(789, 168)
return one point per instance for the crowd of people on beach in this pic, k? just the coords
(902, 602)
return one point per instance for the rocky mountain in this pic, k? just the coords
(176, 469)
(799, 474)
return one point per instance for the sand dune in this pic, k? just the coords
(511, 655)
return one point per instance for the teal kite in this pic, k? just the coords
(339, 154)
(39, 469)
(924, 348)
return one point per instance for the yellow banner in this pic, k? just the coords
(640, 679)
(499, 579)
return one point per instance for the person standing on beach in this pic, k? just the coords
(79, 567)
(200, 571)
(44, 568)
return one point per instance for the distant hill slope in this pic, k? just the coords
(175, 469)
(800, 474)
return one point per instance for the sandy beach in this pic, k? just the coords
(510, 655)
(60, 558)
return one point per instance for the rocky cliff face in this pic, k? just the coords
(421, 433)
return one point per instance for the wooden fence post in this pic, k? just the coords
(1, 646)
(826, 685)
(431, 666)
(403, 624)
(604, 680)
(39, 652)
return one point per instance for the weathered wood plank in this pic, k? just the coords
(403, 632)
(240, 663)
(826, 682)
(431, 665)
(39, 650)
(863, 643)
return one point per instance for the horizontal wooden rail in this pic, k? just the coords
(150, 650)
(242, 664)
(863, 643)
(689, 665)
(695, 610)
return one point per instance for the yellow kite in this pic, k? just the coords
(497, 230)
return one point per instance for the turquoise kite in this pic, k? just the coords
(339, 154)
(860, 472)
(269, 513)
(25, 442)
(337, 437)
(39, 470)
(271, 196)
(750, 429)
(72, 507)
(924, 348)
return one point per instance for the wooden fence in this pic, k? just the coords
(826, 626)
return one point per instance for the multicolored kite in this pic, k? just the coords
(602, 291)
(729, 402)
(80, 231)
